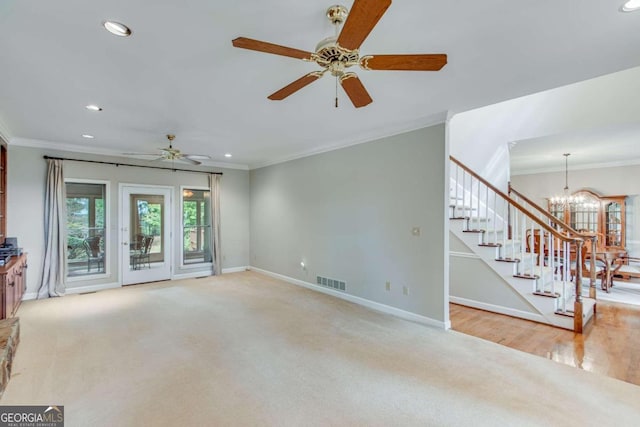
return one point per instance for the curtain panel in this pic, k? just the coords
(54, 268)
(216, 254)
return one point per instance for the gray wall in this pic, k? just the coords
(348, 214)
(26, 177)
(621, 180)
(471, 278)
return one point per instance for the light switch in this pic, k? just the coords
(415, 231)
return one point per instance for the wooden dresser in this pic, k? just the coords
(13, 280)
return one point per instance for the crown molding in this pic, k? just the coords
(50, 145)
(586, 166)
(368, 136)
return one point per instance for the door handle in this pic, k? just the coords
(125, 243)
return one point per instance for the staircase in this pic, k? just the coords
(528, 256)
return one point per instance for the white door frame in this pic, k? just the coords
(164, 271)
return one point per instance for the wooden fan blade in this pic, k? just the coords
(276, 49)
(363, 16)
(355, 90)
(426, 62)
(295, 86)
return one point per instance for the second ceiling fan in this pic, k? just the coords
(336, 54)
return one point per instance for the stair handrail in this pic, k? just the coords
(517, 205)
(547, 214)
(571, 231)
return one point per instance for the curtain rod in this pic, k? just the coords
(132, 166)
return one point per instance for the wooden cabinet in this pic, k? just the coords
(13, 281)
(587, 211)
(13, 275)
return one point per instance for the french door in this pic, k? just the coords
(145, 233)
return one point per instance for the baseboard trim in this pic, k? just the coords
(92, 288)
(499, 309)
(201, 273)
(406, 315)
(192, 275)
(77, 290)
(234, 269)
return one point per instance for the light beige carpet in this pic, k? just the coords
(245, 349)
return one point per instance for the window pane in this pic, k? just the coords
(147, 225)
(85, 228)
(196, 226)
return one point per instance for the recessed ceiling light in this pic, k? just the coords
(116, 28)
(228, 155)
(86, 135)
(631, 5)
(93, 107)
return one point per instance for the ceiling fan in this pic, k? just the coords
(170, 153)
(336, 54)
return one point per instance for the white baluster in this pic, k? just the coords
(495, 219)
(455, 209)
(478, 206)
(486, 213)
(552, 265)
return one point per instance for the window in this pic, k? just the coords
(196, 226)
(86, 224)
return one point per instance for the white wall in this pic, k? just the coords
(622, 180)
(348, 214)
(473, 280)
(25, 197)
(480, 138)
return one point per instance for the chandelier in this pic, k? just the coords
(566, 200)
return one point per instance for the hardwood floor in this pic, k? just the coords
(610, 344)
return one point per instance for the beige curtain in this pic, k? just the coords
(54, 269)
(216, 254)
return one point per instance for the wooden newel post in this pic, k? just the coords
(592, 269)
(577, 305)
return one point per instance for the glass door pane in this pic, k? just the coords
(86, 218)
(145, 234)
(613, 217)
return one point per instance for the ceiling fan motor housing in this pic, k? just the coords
(334, 57)
(329, 54)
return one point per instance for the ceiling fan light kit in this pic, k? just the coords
(338, 53)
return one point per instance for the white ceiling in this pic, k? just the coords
(604, 147)
(179, 74)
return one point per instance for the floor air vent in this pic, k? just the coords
(331, 283)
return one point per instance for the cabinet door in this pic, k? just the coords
(9, 297)
(613, 224)
(21, 282)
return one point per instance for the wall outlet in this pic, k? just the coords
(405, 290)
(387, 286)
